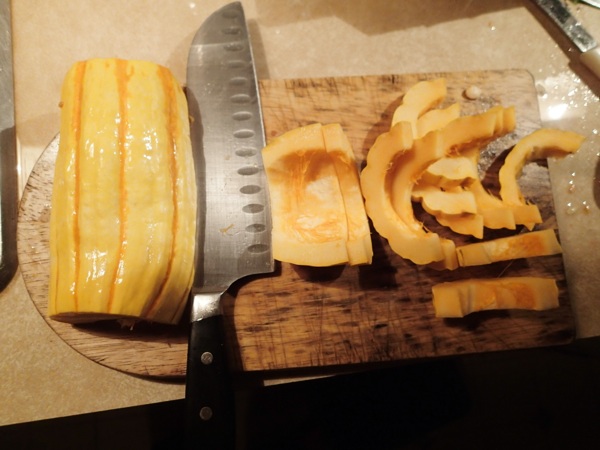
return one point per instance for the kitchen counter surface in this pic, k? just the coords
(42, 377)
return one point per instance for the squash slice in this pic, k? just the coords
(459, 298)
(436, 119)
(358, 244)
(396, 161)
(524, 245)
(319, 218)
(309, 216)
(407, 239)
(448, 201)
(466, 224)
(542, 143)
(450, 172)
(419, 99)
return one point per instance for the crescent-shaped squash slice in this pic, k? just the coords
(436, 119)
(395, 163)
(449, 172)
(419, 99)
(495, 212)
(451, 201)
(466, 223)
(541, 144)
(309, 216)
(358, 244)
(409, 240)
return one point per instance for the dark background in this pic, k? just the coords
(546, 398)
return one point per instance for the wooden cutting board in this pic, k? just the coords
(303, 317)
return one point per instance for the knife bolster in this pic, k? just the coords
(205, 305)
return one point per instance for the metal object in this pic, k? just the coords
(590, 51)
(8, 152)
(234, 222)
(594, 3)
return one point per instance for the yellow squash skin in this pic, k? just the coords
(123, 220)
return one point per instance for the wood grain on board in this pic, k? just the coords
(301, 317)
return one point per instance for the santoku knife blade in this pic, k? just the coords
(234, 222)
(590, 51)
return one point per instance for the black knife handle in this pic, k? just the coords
(209, 396)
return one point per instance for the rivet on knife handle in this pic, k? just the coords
(210, 412)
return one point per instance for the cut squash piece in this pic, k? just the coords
(358, 244)
(455, 208)
(495, 213)
(450, 172)
(479, 130)
(466, 224)
(452, 201)
(319, 218)
(524, 245)
(415, 243)
(540, 144)
(123, 220)
(436, 119)
(309, 216)
(419, 99)
(459, 298)
(395, 163)
(409, 240)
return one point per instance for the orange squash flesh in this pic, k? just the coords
(318, 213)
(524, 245)
(420, 98)
(459, 298)
(540, 144)
(396, 161)
(309, 220)
(358, 243)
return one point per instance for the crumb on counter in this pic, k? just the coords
(473, 92)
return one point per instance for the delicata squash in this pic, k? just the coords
(123, 218)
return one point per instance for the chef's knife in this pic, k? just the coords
(9, 197)
(590, 51)
(234, 221)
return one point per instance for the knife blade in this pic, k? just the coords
(234, 221)
(9, 197)
(578, 35)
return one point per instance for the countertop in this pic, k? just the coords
(42, 377)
